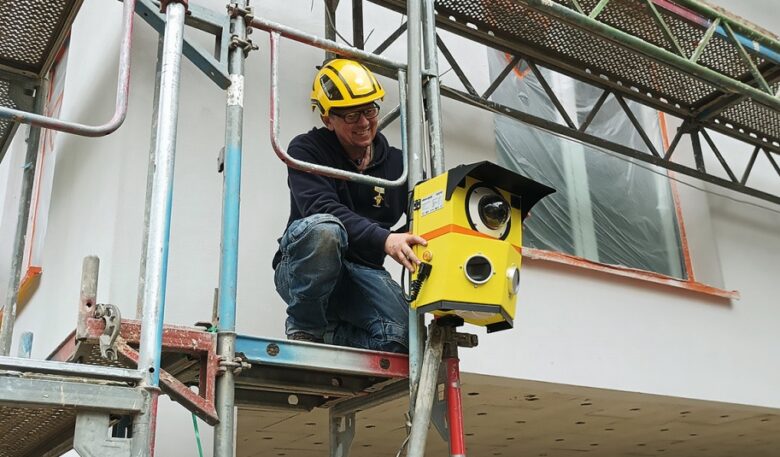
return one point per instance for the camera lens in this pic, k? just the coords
(513, 279)
(493, 211)
(478, 269)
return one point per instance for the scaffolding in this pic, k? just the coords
(703, 66)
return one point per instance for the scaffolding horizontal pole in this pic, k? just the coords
(316, 168)
(321, 357)
(59, 393)
(327, 45)
(22, 365)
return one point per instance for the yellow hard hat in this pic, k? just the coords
(342, 83)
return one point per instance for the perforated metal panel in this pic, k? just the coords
(26, 430)
(14, 93)
(31, 32)
(751, 115)
(5, 100)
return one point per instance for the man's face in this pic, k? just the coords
(357, 135)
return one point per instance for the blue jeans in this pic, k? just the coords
(330, 297)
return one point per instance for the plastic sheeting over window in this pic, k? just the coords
(606, 209)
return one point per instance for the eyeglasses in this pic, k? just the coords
(354, 116)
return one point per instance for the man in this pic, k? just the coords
(329, 266)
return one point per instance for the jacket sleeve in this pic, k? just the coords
(315, 194)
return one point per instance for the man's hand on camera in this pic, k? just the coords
(399, 247)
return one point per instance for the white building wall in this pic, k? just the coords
(574, 326)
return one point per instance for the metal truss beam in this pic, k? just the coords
(601, 143)
(705, 115)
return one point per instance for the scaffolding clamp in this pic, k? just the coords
(247, 13)
(113, 318)
(235, 364)
(246, 45)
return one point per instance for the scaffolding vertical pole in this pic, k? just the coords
(228, 266)
(159, 227)
(414, 120)
(25, 198)
(330, 24)
(432, 94)
(139, 306)
(358, 39)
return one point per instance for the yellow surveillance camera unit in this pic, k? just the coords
(472, 218)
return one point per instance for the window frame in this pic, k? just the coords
(689, 284)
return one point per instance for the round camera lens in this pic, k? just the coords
(513, 280)
(494, 211)
(478, 269)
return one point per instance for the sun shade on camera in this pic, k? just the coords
(526, 190)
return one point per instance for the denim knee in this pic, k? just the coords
(329, 238)
(320, 236)
(312, 254)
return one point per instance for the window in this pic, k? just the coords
(607, 208)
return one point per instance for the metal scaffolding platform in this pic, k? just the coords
(317, 375)
(43, 401)
(40, 401)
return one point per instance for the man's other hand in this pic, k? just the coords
(399, 247)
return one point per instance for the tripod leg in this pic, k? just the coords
(455, 407)
(426, 392)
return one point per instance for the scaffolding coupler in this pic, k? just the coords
(247, 13)
(246, 45)
(234, 364)
(235, 11)
(113, 318)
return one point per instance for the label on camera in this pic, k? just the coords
(431, 203)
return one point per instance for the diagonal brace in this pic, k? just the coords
(719, 156)
(551, 95)
(455, 67)
(749, 166)
(215, 67)
(500, 78)
(203, 407)
(665, 28)
(746, 58)
(636, 125)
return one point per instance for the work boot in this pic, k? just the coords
(303, 336)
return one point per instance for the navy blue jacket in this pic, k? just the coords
(367, 212)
